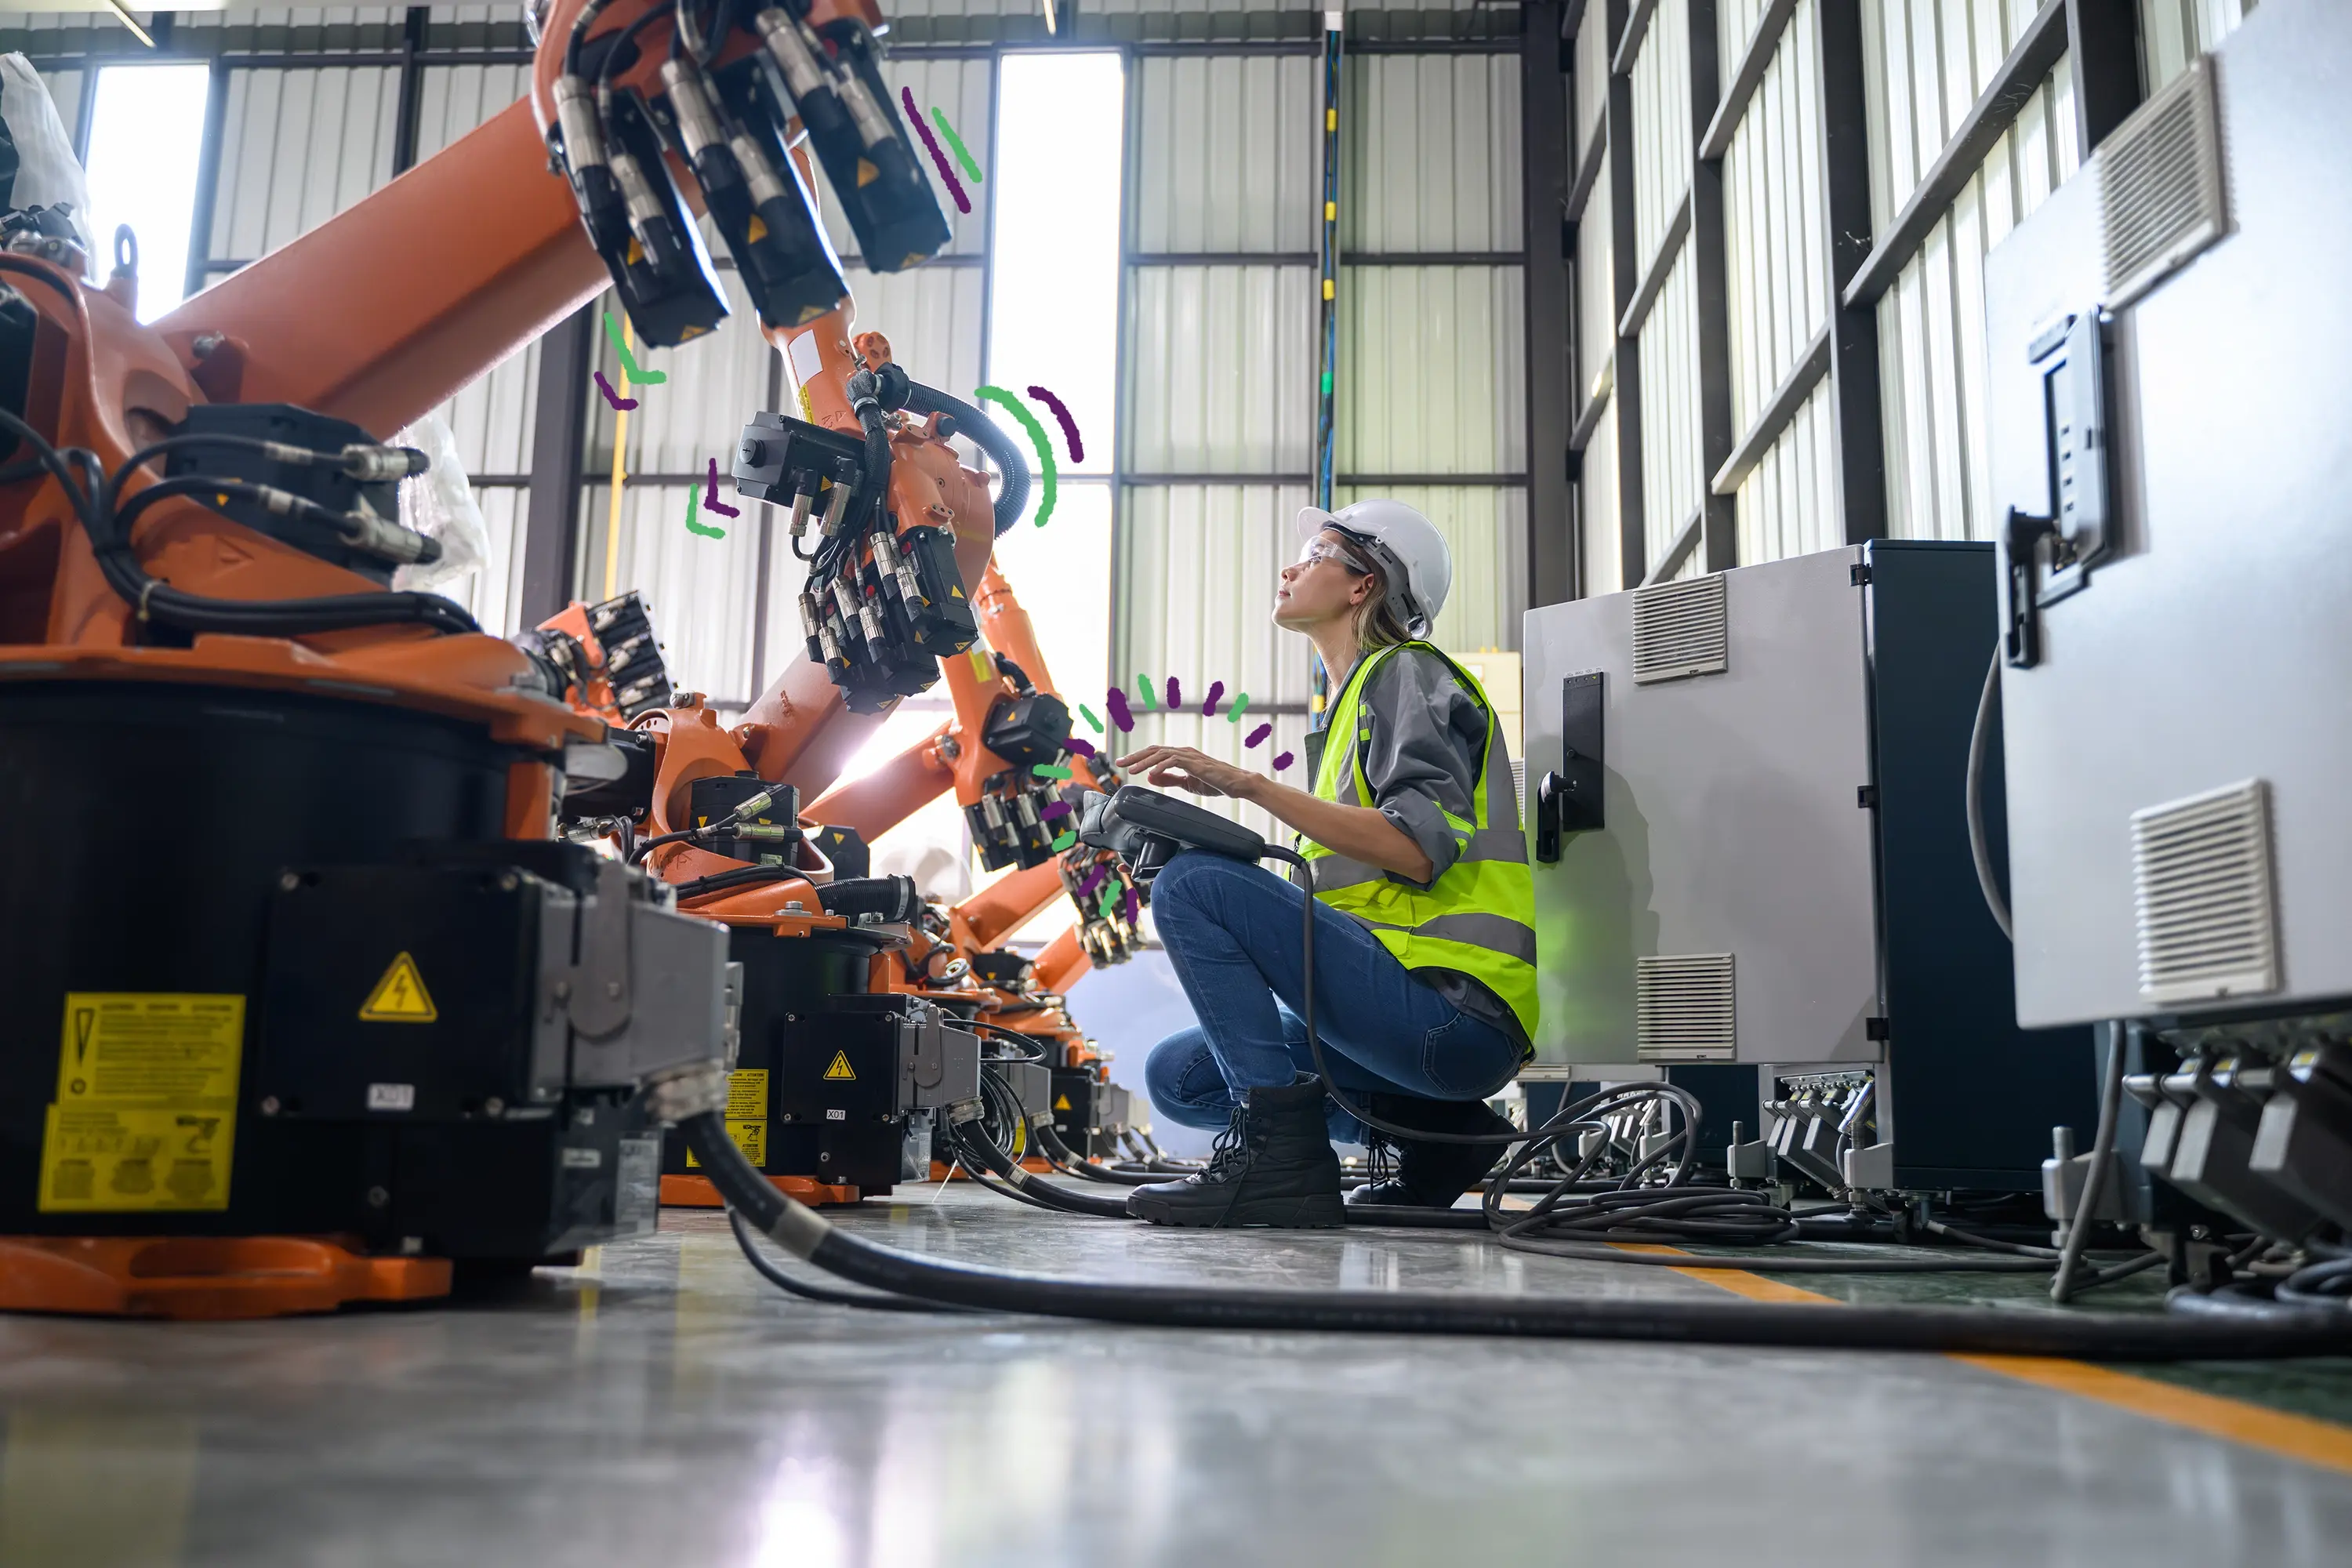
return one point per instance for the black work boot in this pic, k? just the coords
(1273, 1166)
(1432, 1175)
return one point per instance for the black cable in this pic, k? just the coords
(985, 434)
(1068, 1160)
(985, 1156)
(742, 876)
(811, 1237)
(801, 1288)
(1978, 744)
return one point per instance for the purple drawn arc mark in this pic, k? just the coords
(1209, 708)
(612, 397)
(1172, 695)
(1094, 879)
(711, 500)
(1069, 429)
(955, 187)
(1116, 701)
(1133, 913)
(1257, 736)
(1055, 808)
(1284, 761)
(1079, 746)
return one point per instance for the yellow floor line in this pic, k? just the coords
(2302, 1438)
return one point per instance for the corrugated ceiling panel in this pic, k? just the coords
(2174, 32)
(296, 148)
(1430, 153)
(1672, 478)
(1433, 371)
(1592, 78)
(1774, 224)
(1221, 370)
(1596, 510)
(1924, 63)
(1931, 329)
(1789, 504)
(1661, 127)
(1226, 157)
(1485, 527)
(961, 89)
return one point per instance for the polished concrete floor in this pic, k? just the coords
(663, 1405)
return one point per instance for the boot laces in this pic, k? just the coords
(1228, 1155)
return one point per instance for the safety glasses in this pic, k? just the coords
(1324, 550)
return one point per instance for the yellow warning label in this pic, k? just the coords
(839, 1067)
(982, 667)
(867, 173)
(752, 1137)
(399, 997)
(636, 252)
(747, 1116)
(747, 1094)
(145, 1113)
(1061, 1102)
(755, 231)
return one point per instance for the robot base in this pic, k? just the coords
(205, 1277)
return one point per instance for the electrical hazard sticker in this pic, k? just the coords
(399, 997)
(145, 1113)
(839, 1069)
(747, 1116)
(1061, 1102)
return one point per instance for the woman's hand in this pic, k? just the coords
(1194, 772)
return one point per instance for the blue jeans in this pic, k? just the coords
(1232, 932)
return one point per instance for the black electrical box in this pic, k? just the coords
(1027, 731)
(329, 487)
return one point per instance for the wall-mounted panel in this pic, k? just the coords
(1931, 328)
(298, 147)
(1226, 156)
(1672, 478)
(1775, 232)
(1789, 504)
(1433, 371)
(1221, 370)
(1430, 154)
(1663, 139)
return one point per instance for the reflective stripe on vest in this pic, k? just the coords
(1479, 918)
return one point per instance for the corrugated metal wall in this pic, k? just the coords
(1926, 63)
(1674, 474)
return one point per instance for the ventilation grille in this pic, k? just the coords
(1681, 628)
(1682, 1008)
(2160, 185)
(2201, 873)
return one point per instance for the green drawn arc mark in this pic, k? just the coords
(1048, 771)
(1234, 714)
(629, 361)
(693, 512)
(1088, 715)
(955, 144)
(1143, 691)
(1028, 422)
(1068, 837)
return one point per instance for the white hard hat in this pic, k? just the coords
(1406, 546)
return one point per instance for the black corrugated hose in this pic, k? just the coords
(984, 434)
(2101, 1336)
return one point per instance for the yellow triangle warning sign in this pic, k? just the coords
(399, 997)
(755, 231)
(867, 173)
(1061, 1102)
(839, 1067)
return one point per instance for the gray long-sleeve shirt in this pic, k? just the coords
(1428, 734)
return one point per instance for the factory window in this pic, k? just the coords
(146, 139)
(1053, 314)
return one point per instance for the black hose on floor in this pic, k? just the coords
(809, 1236)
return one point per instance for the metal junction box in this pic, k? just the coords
(2170, 345)
(1775, 875)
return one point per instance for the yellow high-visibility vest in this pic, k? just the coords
(1479, 918)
